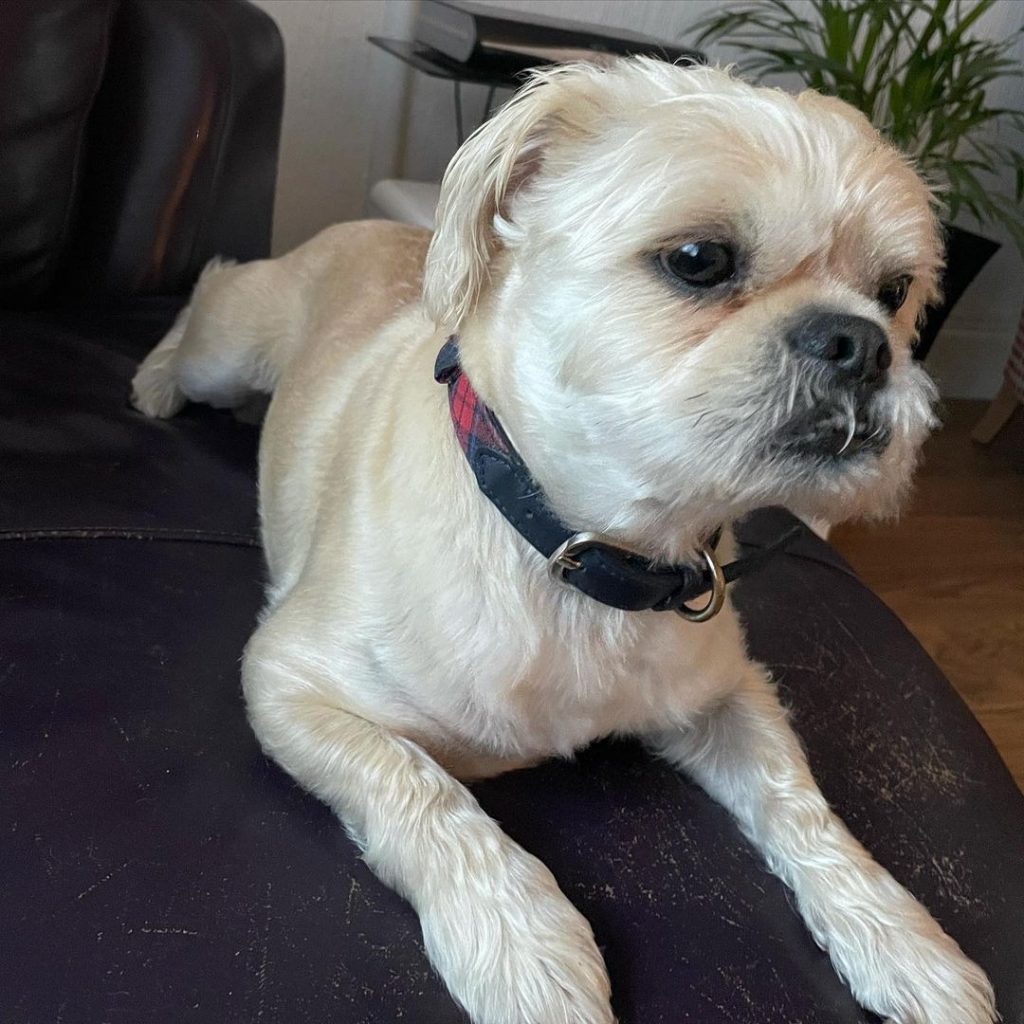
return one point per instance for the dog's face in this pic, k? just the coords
(690, 297)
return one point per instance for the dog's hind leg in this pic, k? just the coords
(509, 945)
(155, 390)
(231, 341)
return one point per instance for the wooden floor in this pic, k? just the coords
(953, 568)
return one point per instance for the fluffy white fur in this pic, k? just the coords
(412, 638)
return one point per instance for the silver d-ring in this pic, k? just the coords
(562, 560)
(717, 598)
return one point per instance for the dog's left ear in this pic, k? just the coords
(497, 160)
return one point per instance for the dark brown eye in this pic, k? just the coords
(893, 293)
(700, 264)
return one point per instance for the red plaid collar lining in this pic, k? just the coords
(475, 424)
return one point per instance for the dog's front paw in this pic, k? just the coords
(517, 951)
(937, 984)
(907, 969)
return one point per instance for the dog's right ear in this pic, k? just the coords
(497, 160)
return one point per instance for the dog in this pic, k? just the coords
(677, 297)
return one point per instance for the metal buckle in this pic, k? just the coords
(562, 560)
(717, 598)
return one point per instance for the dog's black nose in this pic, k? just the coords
(854, 349)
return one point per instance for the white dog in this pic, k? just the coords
(682, 297)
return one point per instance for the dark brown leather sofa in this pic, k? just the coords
(155, 867)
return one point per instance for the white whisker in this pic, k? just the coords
(794, 382)
(851, 418)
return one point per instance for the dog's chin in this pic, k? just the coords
(843, 458)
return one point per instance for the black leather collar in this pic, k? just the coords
(594, 565)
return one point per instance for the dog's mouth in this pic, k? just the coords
(836, 431)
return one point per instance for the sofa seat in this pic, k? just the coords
(158, 868)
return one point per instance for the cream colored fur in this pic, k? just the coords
(412, 638)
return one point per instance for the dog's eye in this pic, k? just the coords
(893, 293)
(700, 264)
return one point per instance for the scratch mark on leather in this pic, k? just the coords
(353, 890)
(856, 643)
(120, 728)
(726, 1013)
(51, 718)
(103, 881)
(954, 880)
(261, 973)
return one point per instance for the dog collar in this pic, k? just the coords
(590, 562)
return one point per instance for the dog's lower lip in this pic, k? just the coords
(865, 440)
(829, 437)
(862, 441)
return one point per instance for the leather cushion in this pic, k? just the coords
(78, 457)
(159, 868)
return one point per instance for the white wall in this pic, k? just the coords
(354, 115)
(970, 353)
(343, 110)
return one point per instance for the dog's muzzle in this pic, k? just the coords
(843, 363)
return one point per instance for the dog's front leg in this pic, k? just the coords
(896, 959)
(509, 945)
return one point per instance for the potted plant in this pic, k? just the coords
(914, 69)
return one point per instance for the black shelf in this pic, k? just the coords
(437, 65)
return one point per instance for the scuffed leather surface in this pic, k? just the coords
(157, 868)
(52, 55)
(77, 457)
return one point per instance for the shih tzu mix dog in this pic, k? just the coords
(662, 298)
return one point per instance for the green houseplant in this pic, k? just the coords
(914, 68)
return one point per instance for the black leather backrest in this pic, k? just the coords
(138, 139)
(52, 55)
(181, 158)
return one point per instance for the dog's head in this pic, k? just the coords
(687, 296)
